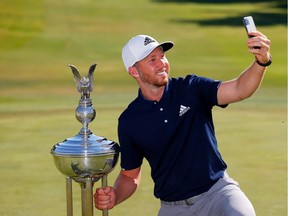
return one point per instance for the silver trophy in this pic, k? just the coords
(85, 158)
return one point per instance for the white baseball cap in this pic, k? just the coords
(139, 47)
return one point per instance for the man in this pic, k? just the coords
(170, 124)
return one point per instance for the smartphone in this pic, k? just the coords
(249, 26)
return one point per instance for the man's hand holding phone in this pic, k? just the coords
(261, 52)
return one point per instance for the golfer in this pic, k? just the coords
(170, 124)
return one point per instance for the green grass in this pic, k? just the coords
(38, 97)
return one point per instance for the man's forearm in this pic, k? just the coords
(125, 186)
(243, 86)
(249, 81)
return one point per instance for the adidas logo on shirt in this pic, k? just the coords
(183, 110)
(148, 41)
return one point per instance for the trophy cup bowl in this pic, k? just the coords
(78, 158)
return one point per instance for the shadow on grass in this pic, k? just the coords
(261, 19)
(280, 2)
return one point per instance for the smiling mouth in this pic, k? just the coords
(162, 73)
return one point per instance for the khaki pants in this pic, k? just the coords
(224, 198)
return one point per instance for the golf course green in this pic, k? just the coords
(38, 97)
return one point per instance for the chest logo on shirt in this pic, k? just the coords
(183, 110)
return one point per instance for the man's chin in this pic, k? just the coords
(162, 83)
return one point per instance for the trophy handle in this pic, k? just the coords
(104, 184)
(69, 199)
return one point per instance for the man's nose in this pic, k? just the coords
(161, 63)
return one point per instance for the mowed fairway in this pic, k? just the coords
(38, 96)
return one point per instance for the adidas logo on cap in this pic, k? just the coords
(148, 41)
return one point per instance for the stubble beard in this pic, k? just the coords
(155, 80)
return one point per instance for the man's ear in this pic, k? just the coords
(133, 71)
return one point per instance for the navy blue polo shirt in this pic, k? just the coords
(176, 136)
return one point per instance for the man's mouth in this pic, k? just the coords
(163, 73)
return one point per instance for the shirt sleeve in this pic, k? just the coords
(131, 157)
(207, 87)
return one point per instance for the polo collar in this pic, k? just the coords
(165, 96)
